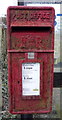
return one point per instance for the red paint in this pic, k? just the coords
(30, 29)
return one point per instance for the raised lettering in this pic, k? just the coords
(29, 16)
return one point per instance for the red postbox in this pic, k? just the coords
(30, 59)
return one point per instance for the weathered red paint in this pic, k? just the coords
(30, 29)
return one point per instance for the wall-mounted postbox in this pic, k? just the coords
(30, 59)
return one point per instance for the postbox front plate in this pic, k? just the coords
(30, 59)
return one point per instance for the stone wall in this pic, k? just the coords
(4, 77)
(0, 67)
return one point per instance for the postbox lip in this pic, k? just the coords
(30, 7)
(40, 8)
